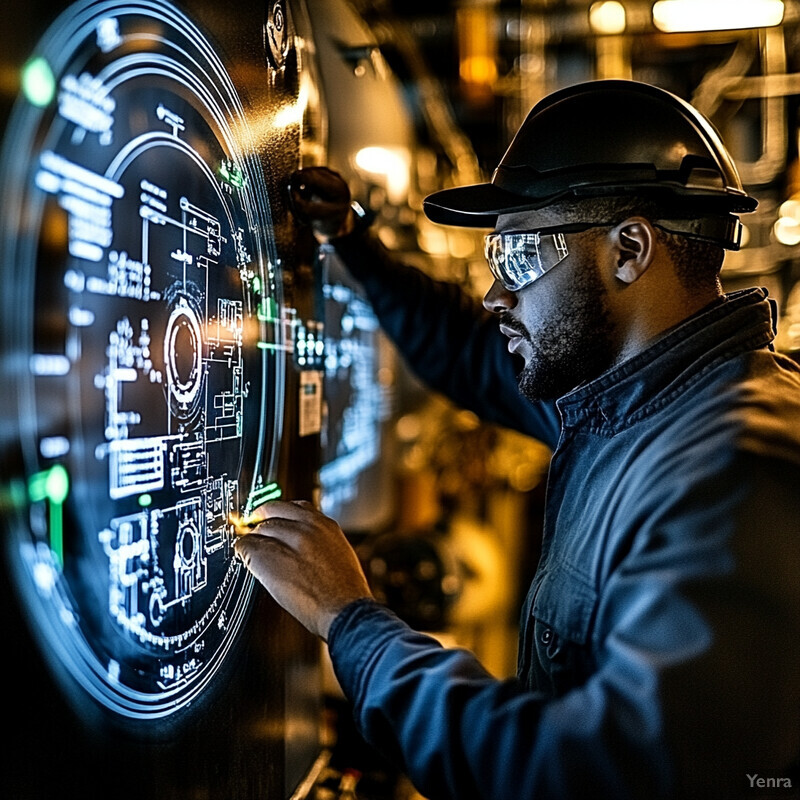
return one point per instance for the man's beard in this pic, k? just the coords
(573, 347)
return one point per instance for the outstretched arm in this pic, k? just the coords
(444, 334)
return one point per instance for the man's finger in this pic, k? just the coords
(283, 509)
(259, 548)
(256, 552)
(288, 531)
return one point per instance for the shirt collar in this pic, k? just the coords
(739, 322)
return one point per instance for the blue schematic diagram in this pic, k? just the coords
(147, 301)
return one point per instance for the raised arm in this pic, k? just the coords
(445, 335)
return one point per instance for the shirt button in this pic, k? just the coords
(546, 636)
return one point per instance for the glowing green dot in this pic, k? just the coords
(145, 500)
(57, 484)
(257, 284)
(38, 82)
(268, 310)
(232, 174)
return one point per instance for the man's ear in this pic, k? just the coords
(634, 243)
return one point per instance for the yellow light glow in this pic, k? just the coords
(787, 231)
(479, 70)
(461, 244)
(787, 227)
(292, 114)
(607, 17)
(477, 49)
(790, 208)
(673, 16)
(432, 239)
(391, 165)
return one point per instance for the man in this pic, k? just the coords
(659, 641)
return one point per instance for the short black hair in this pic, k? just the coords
(697, 261)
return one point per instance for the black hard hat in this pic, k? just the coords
(608, 138)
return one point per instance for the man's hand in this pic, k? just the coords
(320, 198)
(304, 561)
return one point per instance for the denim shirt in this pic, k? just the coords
(659, 650)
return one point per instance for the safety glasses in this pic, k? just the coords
(518, 258)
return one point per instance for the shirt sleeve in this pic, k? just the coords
(695, 685)
(434, 711)
(461, 734)
(447, 338)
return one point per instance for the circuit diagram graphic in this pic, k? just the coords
(157, 322)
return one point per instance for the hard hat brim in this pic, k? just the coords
(476, 206)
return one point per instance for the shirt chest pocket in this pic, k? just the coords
(561, 618)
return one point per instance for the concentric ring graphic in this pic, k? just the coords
(147, 300)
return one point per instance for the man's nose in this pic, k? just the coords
(498, 299)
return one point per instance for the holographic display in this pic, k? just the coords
(144, 313)
(358, 395)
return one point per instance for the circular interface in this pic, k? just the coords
(144, 301)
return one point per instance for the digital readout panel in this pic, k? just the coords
(143, 310)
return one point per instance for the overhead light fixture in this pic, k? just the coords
(607, 17)
(682, 16)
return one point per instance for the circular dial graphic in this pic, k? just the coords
(144, 299)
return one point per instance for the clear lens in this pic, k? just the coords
(518, 259)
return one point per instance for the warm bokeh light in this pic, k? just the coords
(392, 165)
(787, 227)
(673, 16)
(607, 17)
(787, 231)
(477, 59)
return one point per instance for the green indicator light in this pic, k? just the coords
(268, 310)
(38, 82)
(269, 492)
(36, 487)
(257, 285)
(145, 500)
(231, 174)
(57, 484)
(52, 485)
(267, 346)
